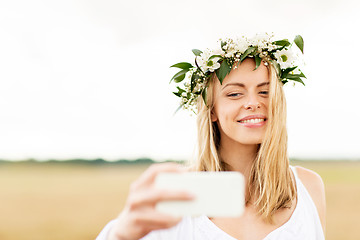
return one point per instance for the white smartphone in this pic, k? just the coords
(217, 194)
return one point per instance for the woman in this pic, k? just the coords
(241, 127)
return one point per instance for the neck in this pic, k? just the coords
(238, 157)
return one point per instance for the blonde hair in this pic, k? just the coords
(270, 181)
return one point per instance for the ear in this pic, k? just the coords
(213, 116)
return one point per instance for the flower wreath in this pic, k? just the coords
(231, 53)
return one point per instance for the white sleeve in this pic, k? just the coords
(183, 230)
(104, 233)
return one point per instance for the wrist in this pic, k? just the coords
(113, 235)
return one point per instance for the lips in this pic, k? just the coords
(253, 117)
(253, 121)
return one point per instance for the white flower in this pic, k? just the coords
(218, 51)
(213, 64)
(202, 59)
(230, 48)
(285, 58)
(242, 45)
(261, 40)
(206, 64)
(271, 46)
(230, 53)
(190, 73)
(198, 87)
(263, 54)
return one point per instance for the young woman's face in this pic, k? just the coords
(241, 103)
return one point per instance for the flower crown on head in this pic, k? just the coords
(228, 56)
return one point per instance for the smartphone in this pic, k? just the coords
(217, 194)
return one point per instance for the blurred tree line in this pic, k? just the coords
(78, 161)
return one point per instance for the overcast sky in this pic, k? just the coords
(88, 79)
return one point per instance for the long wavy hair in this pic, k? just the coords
(270, 181)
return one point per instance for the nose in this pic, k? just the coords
(252, 103)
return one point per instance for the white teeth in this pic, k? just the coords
(253, 120)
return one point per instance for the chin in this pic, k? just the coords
(243, 137)
(250, 141)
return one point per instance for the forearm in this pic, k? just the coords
(107, 233)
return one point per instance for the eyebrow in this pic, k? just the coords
(243, 85)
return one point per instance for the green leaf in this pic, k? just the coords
(179, 76)
(286, 71)
(246, 53)
(203, 95)
(298, 80)
(194, 77)
(278, 49)
(299, 41)
(257, 61)
(177, 94)
(178, 109)
(293, 76)
(182, 65)
(223, 71)
(283, 43)
(302, 74)
(197, 52)
(284, 81)
(180, 90)
(290, 69)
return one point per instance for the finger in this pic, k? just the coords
(140, 223)
(148, 177)
(152, 220)
(153, 196)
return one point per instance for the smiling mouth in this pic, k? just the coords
(253, 120)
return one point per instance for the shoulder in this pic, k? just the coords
(315, 186)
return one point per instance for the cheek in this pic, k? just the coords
(266, 103)
(227, 112)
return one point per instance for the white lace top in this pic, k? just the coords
(304, 223)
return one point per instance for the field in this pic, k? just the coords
(60, 201)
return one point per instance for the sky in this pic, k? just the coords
(90, 79)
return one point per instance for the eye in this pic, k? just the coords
(264, 93)
(234, 94)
